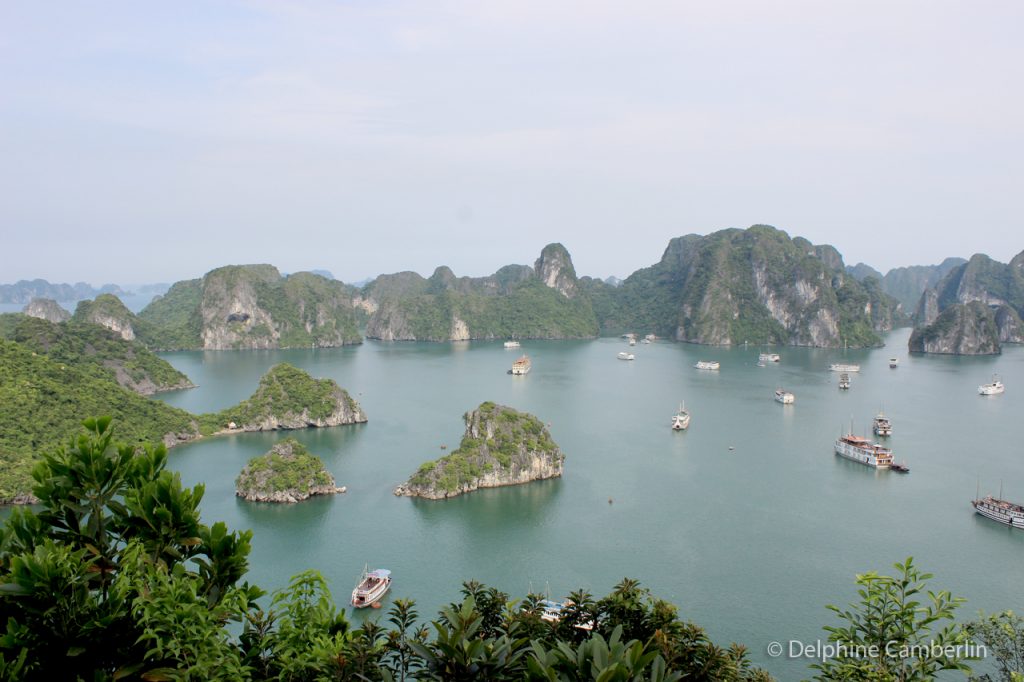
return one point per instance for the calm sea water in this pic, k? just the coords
(747, 521)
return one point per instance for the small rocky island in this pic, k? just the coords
(288, 398)
(288, 473)
(501, 446)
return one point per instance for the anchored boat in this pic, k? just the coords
(371, 587)
(843, 367)
(994, 388)
(784, 397)
(862, 450)
(707, 364)
(681, 419)
(882, 425)
(521, 367)
(999, 510)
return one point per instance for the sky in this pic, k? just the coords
(147, 142)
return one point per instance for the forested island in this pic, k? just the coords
(288, 473)
(53, 372)
(501, 446)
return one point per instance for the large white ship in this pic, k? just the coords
(843, 367)
(1000, 510)
(862, 450)
(521, 366)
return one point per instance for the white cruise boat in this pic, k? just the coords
(707, 364)
(1000, 510)
(882, 425)
(371, 587)
(784, 397)
(843, 367)
(632, 340)
(521, 367)
(844, 381)
(862, 450)
(769, 357)
(994, 388)
(513, 344)
(626, 356)
(894, 363)
(681, 419)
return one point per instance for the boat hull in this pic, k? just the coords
(1006, 515)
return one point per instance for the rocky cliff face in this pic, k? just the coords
(107, 311)
(755, 285)
(501, 447)
(960, 329)
(253, 307)
(554, 268)
(286, 474)
(975, 308)
(46, 309)
(515, 302)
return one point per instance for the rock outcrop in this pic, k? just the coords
(286, 474)
(252, 307)
(973, 310)
(288, 398)
(515, 302)
(747, 286)
(501, 447)
(46, 309)
(108, 311)
(960, 329)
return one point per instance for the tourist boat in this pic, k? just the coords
(551, 611)
(862, 450)
(681, 419)
(513, 344)
(645, 340)
(882, 426)
(843, 367)
(626, 356)
(769, 357)
(650, 337)
(844, 381)
(894, 363)
(632, 340)
(707, 364)
(994, 388)
(1000, 510)
(784, 397)
(521, 367)
(371, 587)
(899, 468)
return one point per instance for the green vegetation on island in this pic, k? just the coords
(515, 302)
(288, 473)
(746, 286)
(289, 398)
(973, 310)
(130, 363)
(41, 398)
(252, 306)
(501, 446)
(117, 577)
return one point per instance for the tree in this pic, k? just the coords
(896, 632)
(1003, 636)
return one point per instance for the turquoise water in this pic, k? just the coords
(750, 542)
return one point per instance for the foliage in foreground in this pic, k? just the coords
(116, 578)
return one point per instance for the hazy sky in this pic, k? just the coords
(145, 141)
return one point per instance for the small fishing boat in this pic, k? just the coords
(844, 381)
(899, 468)
(626, 356)
(371, 587)
(707, 364)
(784, 397)
(894, 363)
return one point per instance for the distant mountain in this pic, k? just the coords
(251, 306)
(973, 310)
(326, 274)
(906, 284)
(755, 285)
(515, 302)
(862, 271)
(24, 291)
